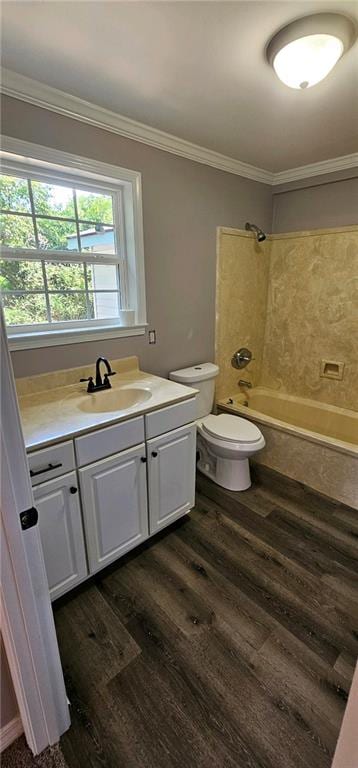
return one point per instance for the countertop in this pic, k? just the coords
(51, 404)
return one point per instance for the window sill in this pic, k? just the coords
(62, 337)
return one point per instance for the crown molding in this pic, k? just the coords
(342, 163)
(32, 91)
(24, 88)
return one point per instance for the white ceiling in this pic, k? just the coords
(193, 69)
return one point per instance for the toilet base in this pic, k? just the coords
(231, 474)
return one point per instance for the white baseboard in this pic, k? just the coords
(10, 732)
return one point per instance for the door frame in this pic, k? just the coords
(27, 623)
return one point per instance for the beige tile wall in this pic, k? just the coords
(312, 314)
(293, 300)
(242, 282)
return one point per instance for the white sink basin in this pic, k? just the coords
(114, 400)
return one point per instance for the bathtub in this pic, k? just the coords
(309, 441)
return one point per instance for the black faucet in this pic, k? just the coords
(105, 384)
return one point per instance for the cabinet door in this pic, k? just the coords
(114, 498)
(60, 524)
(171, 476)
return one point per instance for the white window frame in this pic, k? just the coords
(48, 165)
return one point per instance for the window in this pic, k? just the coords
(71, 251)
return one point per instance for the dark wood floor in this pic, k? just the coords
(227, 641)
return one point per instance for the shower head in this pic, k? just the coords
(260, 235)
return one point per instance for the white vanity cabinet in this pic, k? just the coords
(112, 488)
(114, 499)
(171, 476)
(58, 505)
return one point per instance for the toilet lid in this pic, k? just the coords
(231, 428)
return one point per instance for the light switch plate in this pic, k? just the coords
(152, 337)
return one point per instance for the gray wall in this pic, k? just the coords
(183, 203)
(331, 202)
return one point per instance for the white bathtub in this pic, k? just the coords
(314, 443)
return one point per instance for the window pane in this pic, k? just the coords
(56, 217)
(53, 199)
(17, 231)
(57, 235)
(97, 238)
(102, 277)
(93, 206)
(14, 194)
(68, 306)
(21, 275)
(65, 277)
(27, 309)
(104, 305)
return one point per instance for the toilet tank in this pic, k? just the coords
(201, 377)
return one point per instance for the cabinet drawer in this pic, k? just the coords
(51, 462)
(108, 441)
(169, 418)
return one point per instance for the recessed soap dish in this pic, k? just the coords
(331, 369)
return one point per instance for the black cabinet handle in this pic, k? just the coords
(143, 459)
(73, 489)
(154, 454)
(33, 473)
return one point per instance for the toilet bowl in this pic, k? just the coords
(225, 442)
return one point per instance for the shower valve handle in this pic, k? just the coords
(241, 358)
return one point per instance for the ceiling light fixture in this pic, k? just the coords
(305, 51)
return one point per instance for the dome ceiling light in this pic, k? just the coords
(305, 51)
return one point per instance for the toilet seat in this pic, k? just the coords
(230, 429)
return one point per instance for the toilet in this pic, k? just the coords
(225, 442)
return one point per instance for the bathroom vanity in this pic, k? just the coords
(106, 480)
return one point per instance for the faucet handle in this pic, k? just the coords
(91, 386)
(106, 381)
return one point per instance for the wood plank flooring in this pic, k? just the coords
(228, 641)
